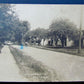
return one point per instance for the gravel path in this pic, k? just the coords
(68, 67)
(9, 71)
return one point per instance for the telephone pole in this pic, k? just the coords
(80, 32)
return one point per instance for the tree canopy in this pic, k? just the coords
(11, 28)
(39, 32)
(63, 27)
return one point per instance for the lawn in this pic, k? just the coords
(68, 50)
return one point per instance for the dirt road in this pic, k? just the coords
(68, 67)
(9, 71)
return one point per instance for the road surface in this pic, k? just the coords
(9, 71)
(68, 67)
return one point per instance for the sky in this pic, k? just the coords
(43, 15)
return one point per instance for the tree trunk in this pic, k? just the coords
(82, 43)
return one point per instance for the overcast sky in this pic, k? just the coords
(43, 15)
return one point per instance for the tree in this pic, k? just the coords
(21, 29)
(11, 28)
(63, 28)
(39, 33)
(5, 19)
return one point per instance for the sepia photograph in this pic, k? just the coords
(41, 42)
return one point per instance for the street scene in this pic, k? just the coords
(41, 43)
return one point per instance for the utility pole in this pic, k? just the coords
(80, 32)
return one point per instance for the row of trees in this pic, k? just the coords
(58, 29)
(12, 29)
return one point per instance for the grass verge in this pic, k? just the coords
(72, 51)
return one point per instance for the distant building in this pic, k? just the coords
(45, 42)
(69, 42)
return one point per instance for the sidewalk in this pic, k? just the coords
(9, 71)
